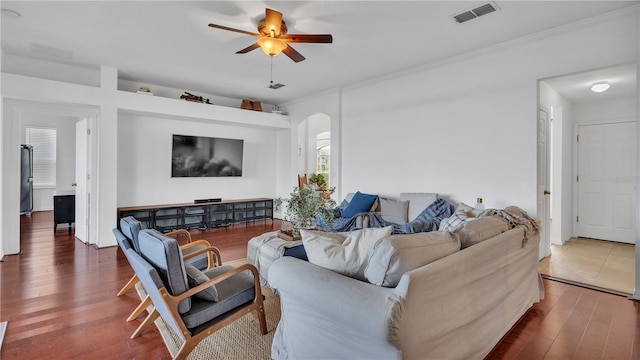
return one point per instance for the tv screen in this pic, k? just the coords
(198, 156)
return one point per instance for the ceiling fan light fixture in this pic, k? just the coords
(600, 86)
(272, 46)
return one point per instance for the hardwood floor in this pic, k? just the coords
(59, 299)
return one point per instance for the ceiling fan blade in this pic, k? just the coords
(234, 30)
(293, 54)
(308, 38)
(248, 48)
(273, 22)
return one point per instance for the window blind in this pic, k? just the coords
(43, 141)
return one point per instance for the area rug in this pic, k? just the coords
(240, 340)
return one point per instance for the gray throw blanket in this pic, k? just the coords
(516, 217)
(428, 220)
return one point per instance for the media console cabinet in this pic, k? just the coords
(204, 215)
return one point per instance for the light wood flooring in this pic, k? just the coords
(58, 297)
(598, 263)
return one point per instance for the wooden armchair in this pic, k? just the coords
(202, 260)
(302, 181)
(192, 315)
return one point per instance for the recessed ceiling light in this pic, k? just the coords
(600, 86)
(11, 14)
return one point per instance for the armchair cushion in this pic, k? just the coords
(196, 277)
(346, 253)
(199, 261)
(359, 203)
(131, 228)
(232, 292)
(163, 253)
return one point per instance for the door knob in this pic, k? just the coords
(547, 192)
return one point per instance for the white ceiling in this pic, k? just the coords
(169, 43)
(576, 88)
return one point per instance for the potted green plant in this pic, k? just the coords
(302, 207)
(320, 181)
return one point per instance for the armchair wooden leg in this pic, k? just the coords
(128, 286)
(142, 307)
(185, 349)
(262, 320)
(145, 324)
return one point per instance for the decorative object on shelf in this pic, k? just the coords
(246, 104)
(144, 90)
(195, 98)
(303, 205)
(251, 105)
(276, 109)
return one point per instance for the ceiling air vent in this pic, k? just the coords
(474, 13)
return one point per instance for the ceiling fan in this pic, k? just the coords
(273, 38)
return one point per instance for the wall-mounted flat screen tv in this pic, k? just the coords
(198, 156)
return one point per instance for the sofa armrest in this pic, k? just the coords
(321, 307)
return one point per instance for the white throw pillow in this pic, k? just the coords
(346, 253)
(418, 202)
(394, 211)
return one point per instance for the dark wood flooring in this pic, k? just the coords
(59, 298)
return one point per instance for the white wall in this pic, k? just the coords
(329, 104)
(605, 111)
(467, 128)
(65, 154)
(144, 162)
(51, 70)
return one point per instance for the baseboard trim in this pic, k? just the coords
(588, 286)
(3, 330)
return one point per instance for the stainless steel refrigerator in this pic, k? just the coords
(26, 179)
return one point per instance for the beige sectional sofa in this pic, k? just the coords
(423, 297)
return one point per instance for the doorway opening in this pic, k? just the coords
(588, 166)
(23, 115)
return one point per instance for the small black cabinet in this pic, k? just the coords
(64, 210)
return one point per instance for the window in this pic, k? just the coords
(43, 141)
(323, 154)
(323, 161)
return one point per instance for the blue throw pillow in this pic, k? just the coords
(359, 204)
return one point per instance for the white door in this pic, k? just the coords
(543, 183)
(606, 181)
(82, 196)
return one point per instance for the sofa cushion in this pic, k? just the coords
(395, 211)
(196, 277)
(481, 229)
(418, 202)
(395, 255)
(346, 253)
(359, 203)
